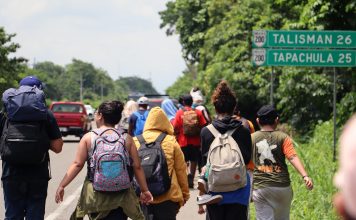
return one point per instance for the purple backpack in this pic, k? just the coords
(109, 163)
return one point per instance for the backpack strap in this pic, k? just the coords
(213, 130)
(141, 139)
(100, 136)
(108, 130)
(216, 133)
(161, 137)
(137, 114)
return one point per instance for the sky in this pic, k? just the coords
(120, 36)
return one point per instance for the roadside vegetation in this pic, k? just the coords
(317, 156)
(62, 83)
(215, 37)
(216, 44)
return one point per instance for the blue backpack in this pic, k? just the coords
(140, 122)
(24, 139)
(25, 104)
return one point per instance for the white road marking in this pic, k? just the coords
(59, 211)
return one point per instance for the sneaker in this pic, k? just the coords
(190, 181)
(208, 199)
(202, 186)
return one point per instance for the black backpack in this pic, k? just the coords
(24, 142)
(154, 164)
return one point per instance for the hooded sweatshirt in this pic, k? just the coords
(156, 123)
(243, 139)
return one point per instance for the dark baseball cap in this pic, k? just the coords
(31, 81)
(267, 112)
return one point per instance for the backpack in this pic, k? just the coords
(226, 167)
(191, 126)
(24, 142)
(25, 104)
(140, 122)
(204, 110)
(24, 139)
(109, 163)
(154, 164)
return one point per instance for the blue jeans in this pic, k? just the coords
(25, 198)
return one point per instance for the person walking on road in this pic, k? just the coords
(107, 203)
(272, 193)
(235, 200)
(170, 109)
(198, 103)
(138, 118)
(187, 126)
(130, 107)
(28, 130)
(167, 205)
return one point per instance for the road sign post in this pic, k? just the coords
(299, 57)
(304, 39)
(305, 48)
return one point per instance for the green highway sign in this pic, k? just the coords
(304, 39)
(290, 57)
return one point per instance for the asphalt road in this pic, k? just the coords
(59, 165)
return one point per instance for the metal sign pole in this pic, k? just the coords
(334, 114)
(272, 79)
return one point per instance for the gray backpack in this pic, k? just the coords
(226, 166)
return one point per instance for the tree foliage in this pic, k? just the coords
(223, 51)
(135, 84)
(63, 83)
(189, 19)
(10, 65)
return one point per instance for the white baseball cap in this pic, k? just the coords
(142, 100)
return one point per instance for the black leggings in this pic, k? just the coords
(162, 211)
(227, 212)
(117, 214)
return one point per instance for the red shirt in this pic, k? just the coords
(178, 128)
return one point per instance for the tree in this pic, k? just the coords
(189, 19)
(137, 85)
(182, 86)
(51, 74)
(224, 52)
(10, 66)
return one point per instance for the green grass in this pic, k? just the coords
(317, 157)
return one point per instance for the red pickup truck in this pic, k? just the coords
(71, 117)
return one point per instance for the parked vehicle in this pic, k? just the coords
(90, 111)
(71, 117)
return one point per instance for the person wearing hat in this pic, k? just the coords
(198, 103)
(25, 184)
(189, 142)
(31, 81)
(138, 118)
(272, 192)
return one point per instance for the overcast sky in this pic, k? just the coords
(120, 36)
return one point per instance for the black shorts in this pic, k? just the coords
(191, 153)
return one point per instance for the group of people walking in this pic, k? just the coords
(136, 150)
